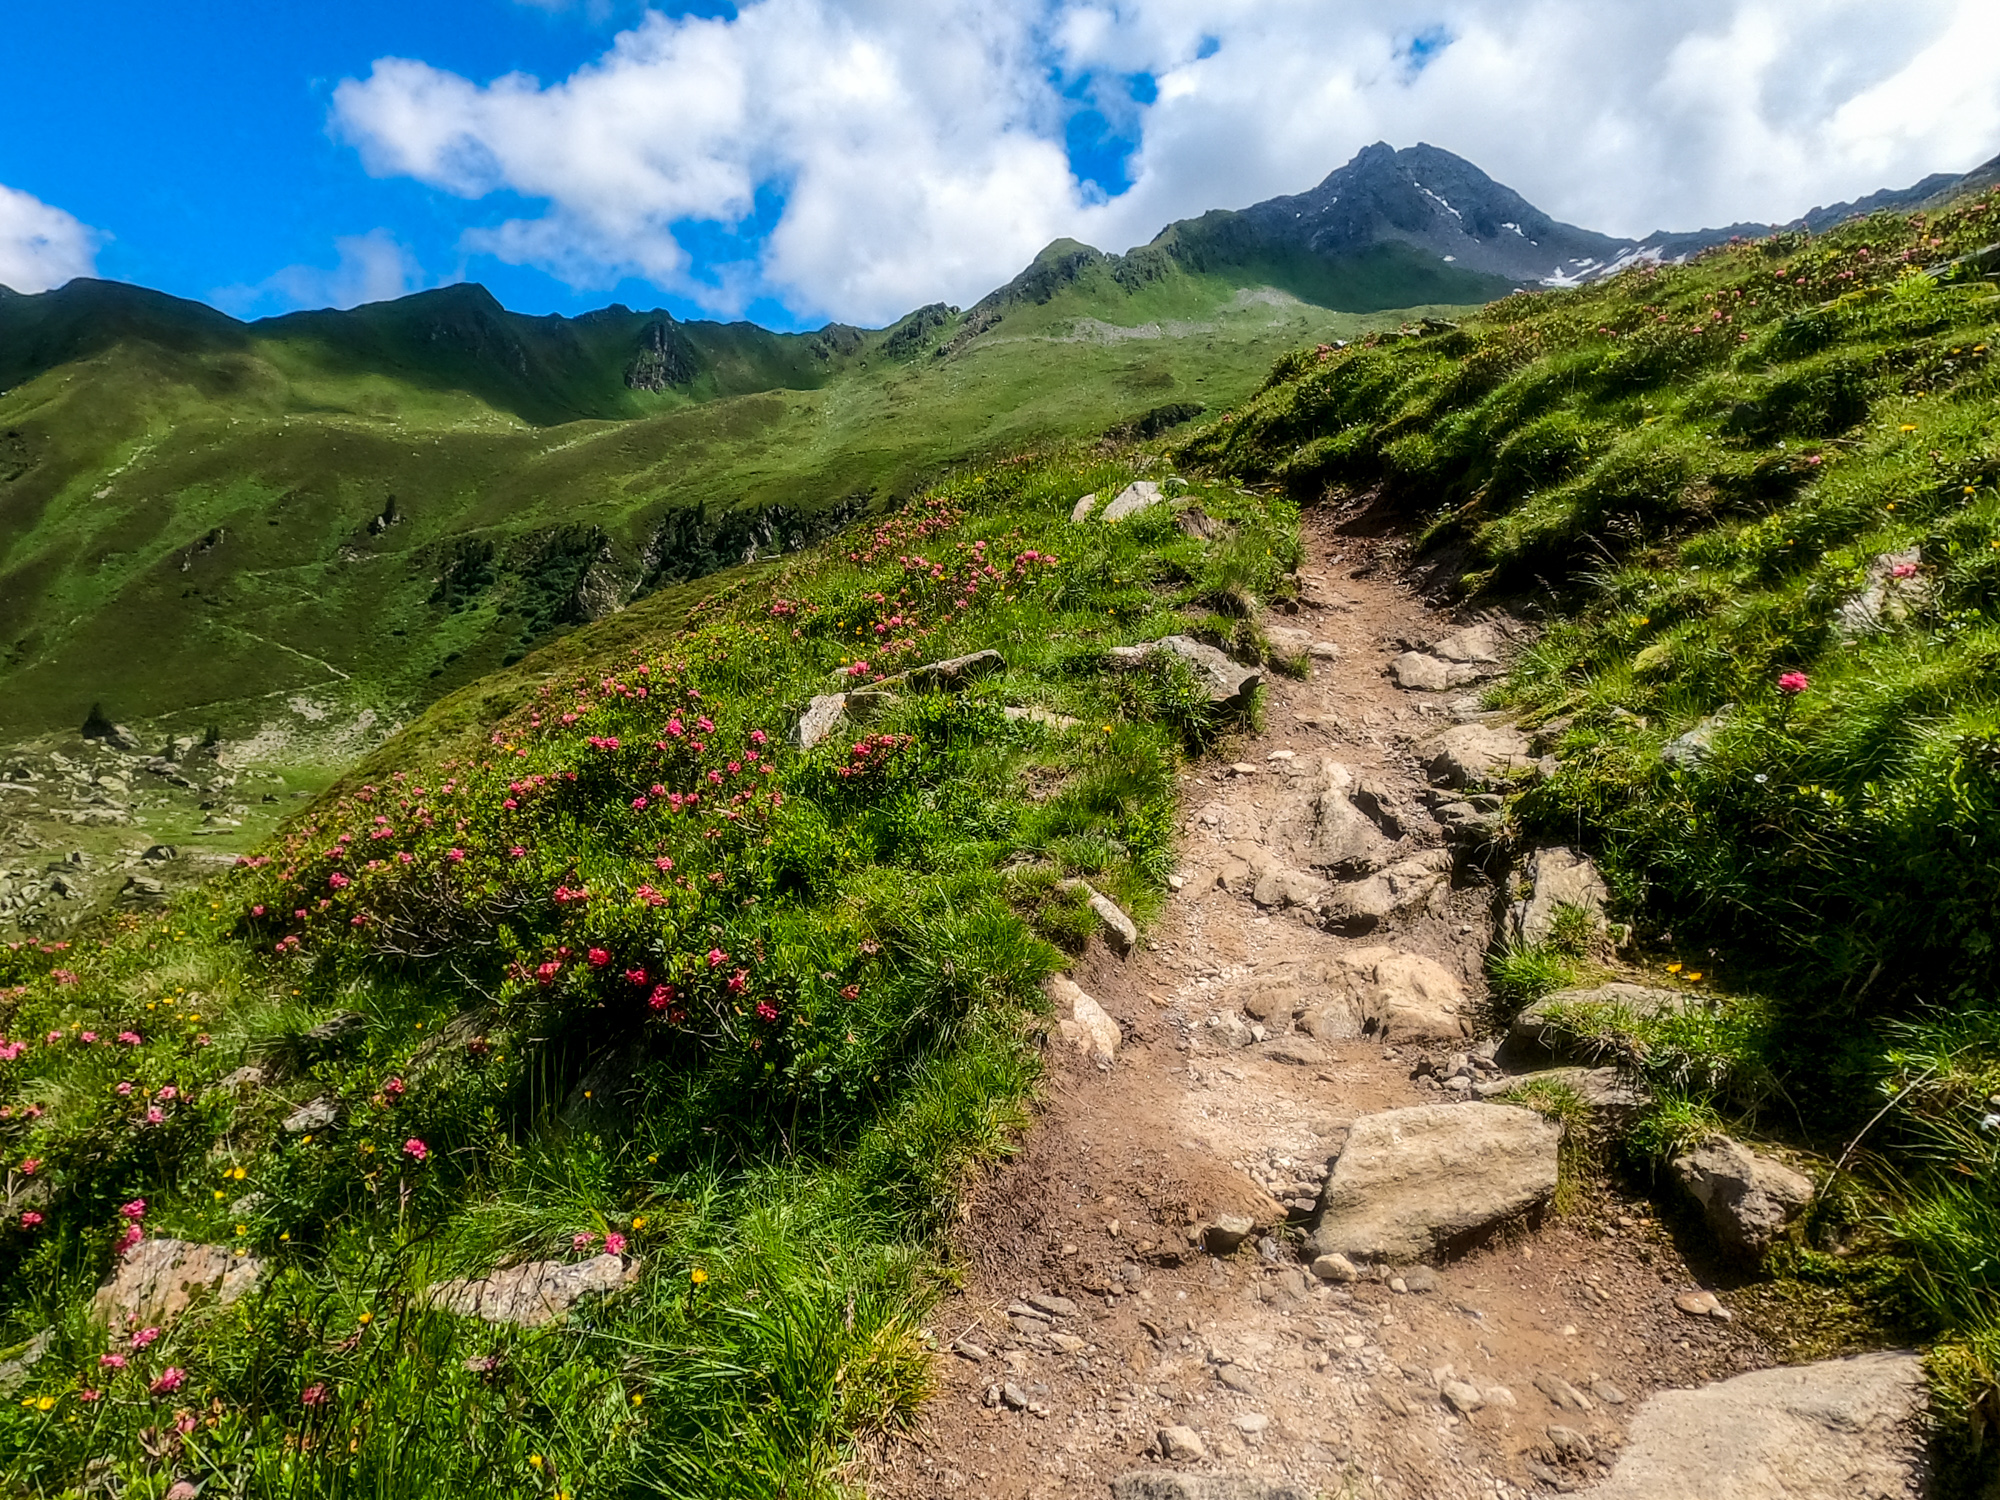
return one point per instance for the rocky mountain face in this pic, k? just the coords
(1442, 206)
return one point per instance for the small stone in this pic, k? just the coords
(1702, 1305)
(1239, 1380)
(1069, 1343)
(1571, 1445)
(1013, 1397)
(1250, 1423)
(1080, 512)
(1462, 1397)
(1397, 1284)
(977, 1353)
(1606, 1392)
(1181, 1444)
(1227, 1232)
(1421, 1279)
(1565, 1396)
(1336, 1268)
(1055, 1307)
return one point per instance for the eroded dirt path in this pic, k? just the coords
(1123, 1327)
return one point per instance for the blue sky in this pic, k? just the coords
(195, 136)
(799, 160)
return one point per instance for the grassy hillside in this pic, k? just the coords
(630, 975)
(198, 520)
(1756, 502)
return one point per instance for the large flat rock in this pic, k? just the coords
(1843, 1429)
(1410, 1182)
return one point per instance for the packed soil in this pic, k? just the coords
(1336, 1388)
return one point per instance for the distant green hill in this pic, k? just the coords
(198, 514)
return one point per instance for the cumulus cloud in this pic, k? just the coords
(880, 153)
(40, 245)
(371, 267)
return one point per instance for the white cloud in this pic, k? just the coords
(371, 267)
(41, 246)
(914, 150)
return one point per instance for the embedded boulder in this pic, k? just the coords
(1119, 930)
(1141, 494)
(1476, 754)
(1583, 1025)
(1228, 684)
(1172, 1484)
(1895, 585)
(1842, 1427)
(1381, 992)
(819, 719)
(1083, 507)
(1364, 904)
(953, 673)
(159, 1279)
(1556, 877)
(535, 1292)
(1748, 1198)
(1410, 1183)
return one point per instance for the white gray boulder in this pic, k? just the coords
(1842, 1429)
(819, 719)
(1749, 1199)
(1141, 494)
(1411, 1182)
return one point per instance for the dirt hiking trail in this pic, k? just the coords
(1141, 1316)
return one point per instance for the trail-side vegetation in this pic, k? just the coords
(623, 971)
(1755, 500)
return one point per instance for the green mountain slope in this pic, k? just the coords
(198, 517)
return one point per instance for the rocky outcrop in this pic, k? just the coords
(159, 1279)
(1748, 1199)
(1411, 1182)
(1842, 1428)
(533, 1293)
